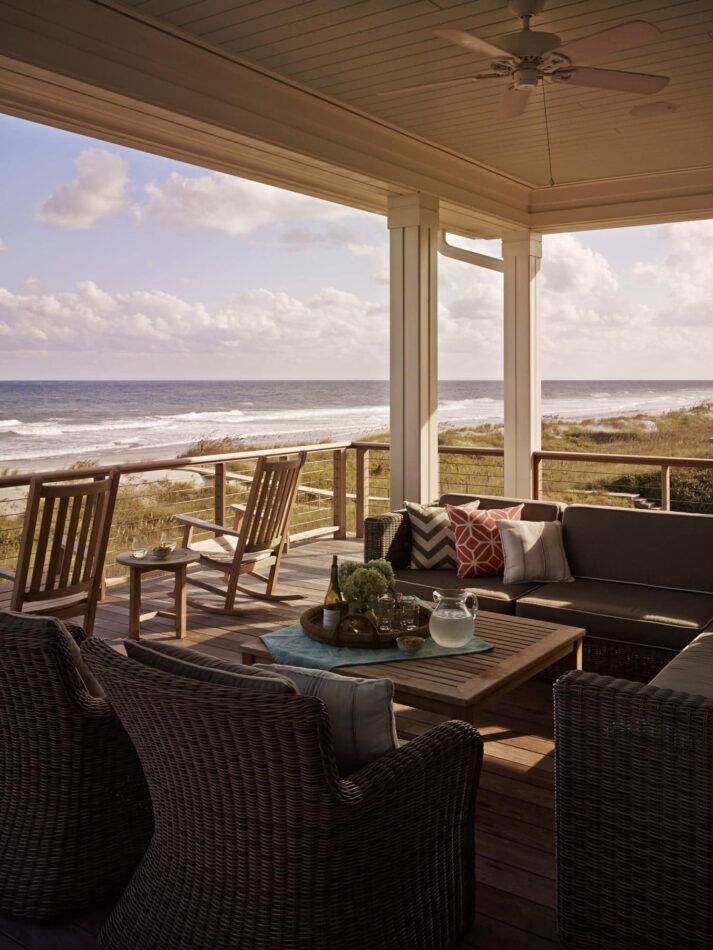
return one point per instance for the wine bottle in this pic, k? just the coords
(333, 600)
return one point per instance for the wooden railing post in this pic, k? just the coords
(362, 489)
(219, 493)
(339, 488)
(666, 487)
(536, 476)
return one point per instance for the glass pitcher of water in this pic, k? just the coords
(451, 623)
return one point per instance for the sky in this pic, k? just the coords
(117, 264)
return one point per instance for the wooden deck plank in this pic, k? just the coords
(515, 896)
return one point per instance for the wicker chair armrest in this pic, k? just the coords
(634, 813)
(388, 536)
(453, 747)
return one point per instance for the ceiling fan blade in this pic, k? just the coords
(513, 103)
(473, 44)
(624, 36)
(423, 86)
(611, 79)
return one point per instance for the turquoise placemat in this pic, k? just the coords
(291, 647)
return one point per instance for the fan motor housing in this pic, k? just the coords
(526, 77)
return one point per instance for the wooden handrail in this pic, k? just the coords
(136, 468)
(654, 460)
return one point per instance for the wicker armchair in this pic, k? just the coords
(75, 816)
(634, 783)
(260, 845)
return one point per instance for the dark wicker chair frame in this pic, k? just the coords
(260, 845)
(389, 536)
(76, 816)
(634, 784)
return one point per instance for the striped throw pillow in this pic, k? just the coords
(433, 546)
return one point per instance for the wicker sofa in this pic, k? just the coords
(634, 805)
(389, 536)
(643, 584)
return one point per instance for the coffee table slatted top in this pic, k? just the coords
(454, 684)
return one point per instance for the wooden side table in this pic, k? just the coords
(176, 563)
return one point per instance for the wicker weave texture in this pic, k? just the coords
(260, 845)
(76, 816)
(388, 536)
(634, 785)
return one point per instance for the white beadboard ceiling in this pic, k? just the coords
(351, 49)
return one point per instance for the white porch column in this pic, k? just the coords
(522, 253)
(413, 230)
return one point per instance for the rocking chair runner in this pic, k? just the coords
(260, 534)
(64, 540)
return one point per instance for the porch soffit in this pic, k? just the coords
(105, 69)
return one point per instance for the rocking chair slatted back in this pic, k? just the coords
(64, 540)
(269, 506)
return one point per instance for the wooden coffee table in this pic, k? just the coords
(454, 685)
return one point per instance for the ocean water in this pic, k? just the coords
(53, 420)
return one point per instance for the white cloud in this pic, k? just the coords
(234, 206)
(259, 325)
(98, 191)
(32, 283)
(684, 275)
(572, 268)
(3, 246)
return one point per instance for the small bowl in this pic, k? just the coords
(410, 645)
(164, 549)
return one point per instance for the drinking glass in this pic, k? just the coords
(409, 612)
(385, 613)
(138, 548)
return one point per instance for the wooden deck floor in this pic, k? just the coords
(515, 817)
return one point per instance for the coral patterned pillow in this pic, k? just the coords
(479, 551)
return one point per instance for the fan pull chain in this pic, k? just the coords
(547, 133)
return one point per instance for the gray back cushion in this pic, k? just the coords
(361, 713)
(193, 665)
(658, 548)
(532, 510)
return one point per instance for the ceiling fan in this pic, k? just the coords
(530, 57)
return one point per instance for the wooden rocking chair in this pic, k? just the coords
(258, 538)
(64, 540)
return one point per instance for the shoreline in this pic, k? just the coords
(591, 424)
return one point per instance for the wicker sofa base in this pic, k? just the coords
(630, 661)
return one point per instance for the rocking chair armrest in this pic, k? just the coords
(206, 525)
(6, 572)
(237, 506)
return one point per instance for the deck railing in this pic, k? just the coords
(344, 482)
(640, 481)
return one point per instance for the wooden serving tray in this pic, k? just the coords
(346, 636)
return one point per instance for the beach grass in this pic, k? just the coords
(146, 508)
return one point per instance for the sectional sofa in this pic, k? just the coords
(643, 585)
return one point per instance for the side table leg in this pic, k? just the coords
(134, 603)
(180, 601)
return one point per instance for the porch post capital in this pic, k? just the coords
(522, 242)
(411, 211)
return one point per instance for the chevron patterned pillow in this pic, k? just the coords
(433, 546)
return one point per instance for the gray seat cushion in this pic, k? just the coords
(627, 612)
(692, 670)
(491, 592)
(193, 665)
